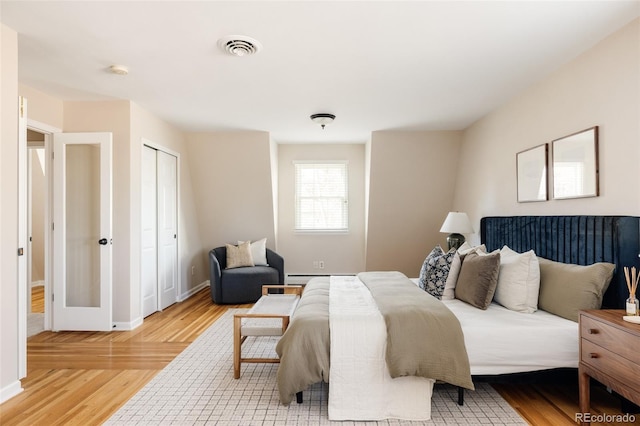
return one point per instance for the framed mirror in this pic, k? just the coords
(575, 165)
(531, 168)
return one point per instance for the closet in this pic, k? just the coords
(159, 257)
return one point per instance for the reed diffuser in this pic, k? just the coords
(633, 307)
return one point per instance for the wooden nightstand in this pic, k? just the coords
(610, 353)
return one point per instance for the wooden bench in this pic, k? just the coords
(268, 317)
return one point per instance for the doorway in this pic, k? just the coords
(37, 215)
(159, 225)
(37, 198)
(41, 254)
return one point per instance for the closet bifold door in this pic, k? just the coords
(149, 243)
(159, 246)
(167, 190)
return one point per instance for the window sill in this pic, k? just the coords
(321, 231)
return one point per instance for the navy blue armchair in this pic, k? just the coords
(242, 285)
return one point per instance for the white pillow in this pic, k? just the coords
(454, 269)
(258, 252)
(518, 281)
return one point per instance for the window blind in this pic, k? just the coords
(321, 196)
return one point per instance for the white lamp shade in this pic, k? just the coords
(457, 223)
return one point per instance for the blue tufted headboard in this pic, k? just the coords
(572, 239)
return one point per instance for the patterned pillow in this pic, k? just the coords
(434, 272)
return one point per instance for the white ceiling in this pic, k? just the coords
(376, 65)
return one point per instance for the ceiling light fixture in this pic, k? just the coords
(119, 69)
(239, 45)
(323, 119)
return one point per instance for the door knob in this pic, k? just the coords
(103, 242)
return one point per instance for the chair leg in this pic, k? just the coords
(460, 395)
(299, 397)
(237, 346)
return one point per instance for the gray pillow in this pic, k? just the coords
(478, 279)
(566, 289)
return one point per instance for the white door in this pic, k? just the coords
(167, 173)
(82, 235)
(22, 238)
(149, 255)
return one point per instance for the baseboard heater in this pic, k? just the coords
(302, 279)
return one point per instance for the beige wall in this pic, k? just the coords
(231, 175)
(412, 178)
(274, 188)
(37, 203)
(341, 252)
(9, 342)
(601, 87)
(43, 107)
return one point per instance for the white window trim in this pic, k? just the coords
(340, 231)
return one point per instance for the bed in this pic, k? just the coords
(580, 240)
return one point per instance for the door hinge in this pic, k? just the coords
(53, 297)
(21, 107)
(53, 226)
(20, 251)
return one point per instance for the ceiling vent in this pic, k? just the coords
(238, 45)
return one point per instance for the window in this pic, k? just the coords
(321, 196)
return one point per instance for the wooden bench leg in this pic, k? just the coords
(237, 346)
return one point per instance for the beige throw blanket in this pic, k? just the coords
(424, 338)
(304, 347)
(437, 353)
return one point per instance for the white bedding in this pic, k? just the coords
(501, 341)
(360, 385)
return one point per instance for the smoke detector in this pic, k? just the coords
(239, 45)
(119, 69)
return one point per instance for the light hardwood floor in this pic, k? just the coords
(37, 299)
(83, 377)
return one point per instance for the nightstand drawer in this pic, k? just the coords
(608, 336)
(621, 369)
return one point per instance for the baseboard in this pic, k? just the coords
(184, 296)
(8, 392)
(127, 326)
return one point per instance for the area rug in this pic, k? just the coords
(198, 388)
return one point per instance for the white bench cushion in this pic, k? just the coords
(275, 304)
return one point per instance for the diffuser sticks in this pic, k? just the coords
(632, 284)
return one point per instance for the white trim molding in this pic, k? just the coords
(184, 296)
(10, 391)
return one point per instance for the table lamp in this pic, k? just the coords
(456, 223)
